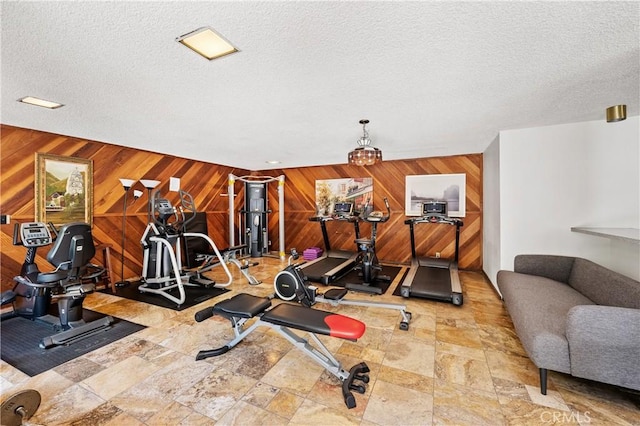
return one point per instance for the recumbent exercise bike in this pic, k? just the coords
(73, 278)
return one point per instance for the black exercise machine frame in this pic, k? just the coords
(456, 288)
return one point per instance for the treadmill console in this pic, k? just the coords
(343, 210)
(434, 208)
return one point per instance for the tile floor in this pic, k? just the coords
(455, 365)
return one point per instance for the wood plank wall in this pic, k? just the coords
(393, 241)
(208, 185)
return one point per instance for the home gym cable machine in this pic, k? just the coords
(253, 228)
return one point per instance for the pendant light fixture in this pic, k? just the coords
(365, 154)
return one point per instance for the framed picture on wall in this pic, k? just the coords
(358, 191)
(64, 189)
(445, 187)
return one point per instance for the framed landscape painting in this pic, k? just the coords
(444, 187)
(64, 189)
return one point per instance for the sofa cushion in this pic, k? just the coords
(538, 307)
(604, 286)
(550, 266)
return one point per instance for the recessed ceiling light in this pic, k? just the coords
(208, 43)
(273, 162)
(39, 102)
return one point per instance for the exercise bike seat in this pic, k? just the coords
(242, 305)
(52, 277)
(366, 241)
(315, 321)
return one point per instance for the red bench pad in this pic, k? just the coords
(315, 321)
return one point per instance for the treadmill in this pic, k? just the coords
(333, 264)
(433, 278)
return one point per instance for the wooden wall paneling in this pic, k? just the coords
(206, 182)
(208, 185)
(393, 243)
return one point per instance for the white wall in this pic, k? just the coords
(553, 178)
(491, 209)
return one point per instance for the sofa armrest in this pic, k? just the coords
(604, 343)
(557, 268)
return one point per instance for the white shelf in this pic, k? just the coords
(630, 235)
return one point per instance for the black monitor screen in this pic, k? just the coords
(434, 207)
(342, 208)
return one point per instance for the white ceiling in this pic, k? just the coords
(434, 78)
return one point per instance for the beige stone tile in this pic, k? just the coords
(552, 399)
(157, 391)
(103, 414)
(312, 413)
(618, 407)
(508, 390)
(295, 372)
(404, 378)
(519, 412)
(514, 368)
(49, 384)
(61, 408)
(119, 377)
(243, 413)
(285, 404)
(217, 393)
(456, 404)
(261, 395)
(390, 404)
(172, 414)
(79, 369)
(501, 339)
(406, 354)
(463, 351)
(461, 370)
(458, 332)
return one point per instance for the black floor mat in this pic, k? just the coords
(21, 337)
(194, 295)
(352, 277)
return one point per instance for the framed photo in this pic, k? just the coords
(358, 191)
(64, 189)
(449, 188)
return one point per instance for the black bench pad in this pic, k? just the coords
(315, 321)
(242, 305)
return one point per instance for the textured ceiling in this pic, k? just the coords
(434, 78)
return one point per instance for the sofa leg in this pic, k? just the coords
(543, 381)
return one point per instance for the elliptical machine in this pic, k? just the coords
(162, 249)
(367, 263)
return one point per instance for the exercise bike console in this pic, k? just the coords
(34, 234)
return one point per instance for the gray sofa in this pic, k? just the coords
(576, 317)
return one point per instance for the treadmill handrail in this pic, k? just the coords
(435, 219)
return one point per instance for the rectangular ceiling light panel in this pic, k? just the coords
(39, 102)
(206, 42)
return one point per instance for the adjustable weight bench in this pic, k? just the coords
(285, 317)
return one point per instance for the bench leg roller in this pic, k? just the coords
(357, 372)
